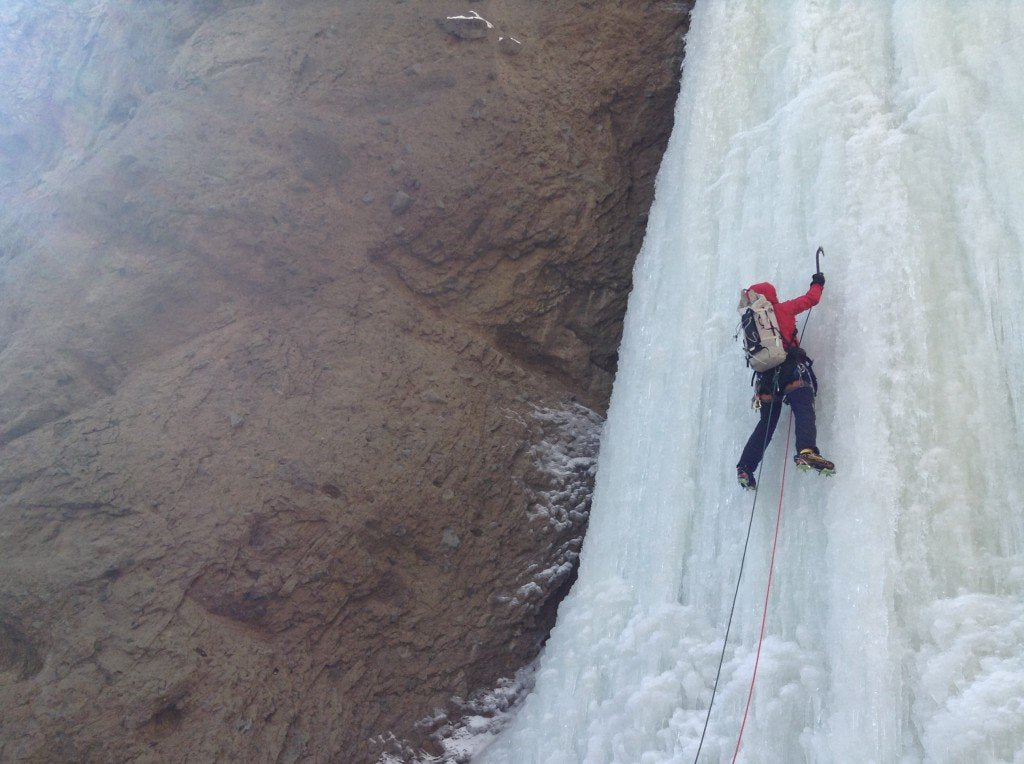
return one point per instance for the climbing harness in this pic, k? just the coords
(743, 559)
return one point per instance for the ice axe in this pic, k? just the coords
(817, 265)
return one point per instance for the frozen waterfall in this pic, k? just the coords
(892, 134)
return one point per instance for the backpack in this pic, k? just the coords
(762, 340)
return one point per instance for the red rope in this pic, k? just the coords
(767, 592)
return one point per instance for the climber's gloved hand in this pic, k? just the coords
(818, 278)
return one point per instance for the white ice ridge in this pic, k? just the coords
(892, 134)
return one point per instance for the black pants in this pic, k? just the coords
(800, 398)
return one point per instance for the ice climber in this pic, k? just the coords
(792, 382)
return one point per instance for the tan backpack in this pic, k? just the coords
(762, 340)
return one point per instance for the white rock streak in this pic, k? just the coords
(473, 16)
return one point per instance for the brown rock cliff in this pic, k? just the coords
(307, 308)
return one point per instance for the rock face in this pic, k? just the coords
(306, 309)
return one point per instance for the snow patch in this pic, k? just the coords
(568, 456)
(565, 463)
(481, 718)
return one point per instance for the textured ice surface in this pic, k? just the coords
(893, 135)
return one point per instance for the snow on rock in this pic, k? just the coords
(485, 715)
(565, 461)
(480, 718)
(468, 27)
(510, 45)
(559, 488)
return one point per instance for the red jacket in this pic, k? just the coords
(786, 312)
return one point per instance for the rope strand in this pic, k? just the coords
(739, 577)
(771, 566)
(767, 592)
(743, 559)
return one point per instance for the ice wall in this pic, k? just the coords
(893, 135)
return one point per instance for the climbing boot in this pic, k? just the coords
(746, 479)
(809, 459)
